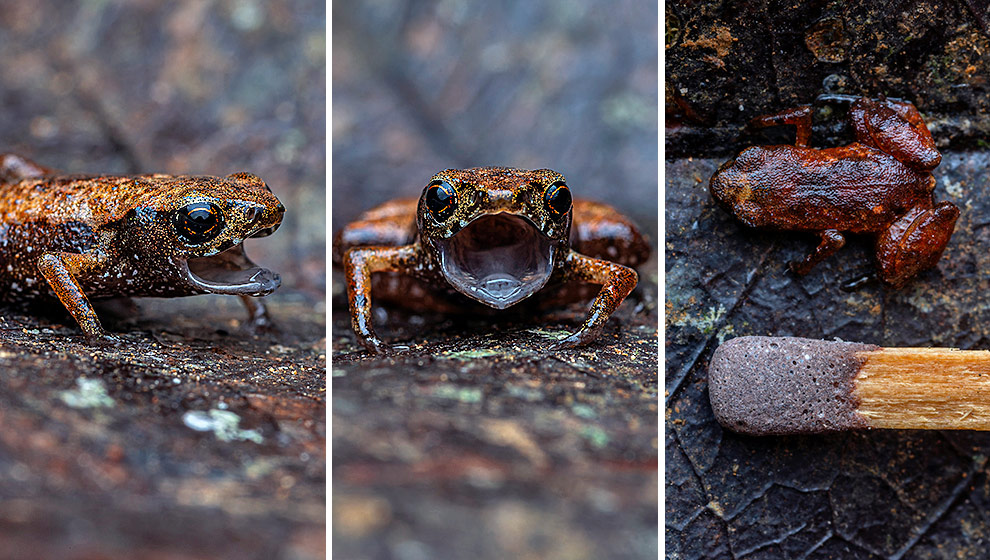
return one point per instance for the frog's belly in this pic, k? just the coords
(853, 188)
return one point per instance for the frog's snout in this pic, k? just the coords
(256, 218)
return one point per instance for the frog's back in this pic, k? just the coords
(851, 187)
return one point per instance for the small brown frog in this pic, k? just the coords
(80, 237)
(881, 184)
(492, 235)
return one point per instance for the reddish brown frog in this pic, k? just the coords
(492, 235)
(77, 237)
(881, 184)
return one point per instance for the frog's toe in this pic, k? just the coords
(260, 326)
(106, 339)
(376, 345)
(580, 338)
(569, 342)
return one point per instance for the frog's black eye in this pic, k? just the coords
(441, 200)
(198, 222)
(558, 199)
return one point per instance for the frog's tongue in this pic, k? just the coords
(231, 272)
(498, 260)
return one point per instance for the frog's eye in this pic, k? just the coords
(441, 200)
(558, 199)
(198, 222)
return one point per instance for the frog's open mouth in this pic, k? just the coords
(266, 231)
(230, 272)
(497, 259)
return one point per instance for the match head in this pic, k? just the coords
(761, 385)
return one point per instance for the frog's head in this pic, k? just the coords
(201, 222)
(496, 233)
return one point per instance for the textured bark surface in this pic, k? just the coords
(727, 62)
(142, 459)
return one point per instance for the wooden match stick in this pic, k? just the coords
(776, 385)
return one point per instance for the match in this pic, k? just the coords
(762, 385)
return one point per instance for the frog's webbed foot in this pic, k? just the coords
(915, 242)
(359, 264)
(831, 242)
(616, 281)
(800, 117)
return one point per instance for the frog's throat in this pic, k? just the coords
(498, 259)
(229, 272)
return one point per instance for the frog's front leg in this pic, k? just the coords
(359, 264)
(831, 242)
(915, 242)
(60, 270)
(616, 281)
(800, 117)
(258, 317)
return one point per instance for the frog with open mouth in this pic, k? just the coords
(492, 235)
(82, 237)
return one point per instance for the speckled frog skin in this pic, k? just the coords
(82, 237)
(491, 235)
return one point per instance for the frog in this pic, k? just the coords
(76, 238)
(489, 238)
(880, 185)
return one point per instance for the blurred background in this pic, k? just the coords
(475, 442)
(139, 464)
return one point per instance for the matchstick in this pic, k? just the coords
(763, 385)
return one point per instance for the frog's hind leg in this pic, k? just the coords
(616, 281)
(391, 224)
(915, 242)
(14, 168)
(600, 231)
(895, 127)
(831, 242)
(800, 117)
(359, 264)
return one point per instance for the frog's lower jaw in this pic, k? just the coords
(229, 272)
(498, 260)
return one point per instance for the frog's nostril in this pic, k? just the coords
(253, 214)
